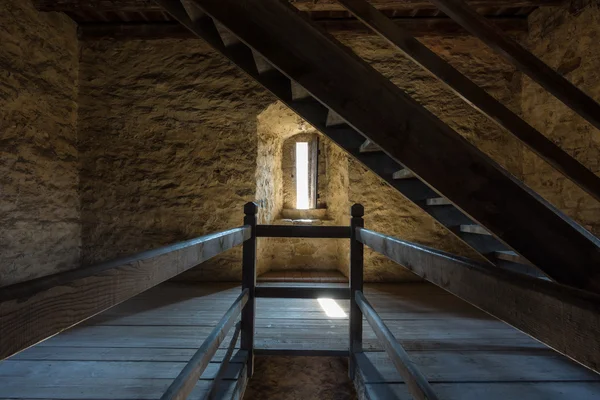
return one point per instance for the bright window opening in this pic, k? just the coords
(331, 308)
(302, 193)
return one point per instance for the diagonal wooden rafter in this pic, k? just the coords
(303, 5)
(408, 133)
(521, 58)
(475, 95)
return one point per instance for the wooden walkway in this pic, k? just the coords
(135, 350)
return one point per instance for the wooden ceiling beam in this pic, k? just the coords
(418, 27)
(303, 5)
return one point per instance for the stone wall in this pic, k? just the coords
(175, 140)
(568, 40)
(39, 201)
(277, 124)
(168, 148)
(474, 59)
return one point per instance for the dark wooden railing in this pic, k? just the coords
(187, 379)
(225, 362)
(33, 311)
(417, 384)
(297, 231)
(563, 318)
(566, 319)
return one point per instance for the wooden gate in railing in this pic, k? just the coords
(246, 306)
(33, 311)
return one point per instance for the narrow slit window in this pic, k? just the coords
(302, 191)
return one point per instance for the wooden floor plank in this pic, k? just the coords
(101, 369)
(481, 366)
(193, 336)
(494, 391)
(41, 353)
(91, 389)
(136, 349)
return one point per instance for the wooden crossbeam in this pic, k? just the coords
(536, 69)
(566, 319)
(286, 291)
(475, 95)
(304, 5)
(300, 231)
(414, 137)
(301, 353)
(33, 311)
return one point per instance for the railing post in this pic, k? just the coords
(356, 284)
(249, 282)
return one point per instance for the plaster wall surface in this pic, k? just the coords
(568, 40)
(39, 200)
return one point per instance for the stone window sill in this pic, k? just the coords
(317, 216)
(312, 214)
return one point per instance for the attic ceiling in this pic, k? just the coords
(145, 19)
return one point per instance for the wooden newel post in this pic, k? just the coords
(356, 284)
(249, 281)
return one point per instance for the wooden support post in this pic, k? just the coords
(356, 285)
(249, 282)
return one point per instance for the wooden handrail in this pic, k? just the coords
(183, 385)
(33, 311)
(563, 318)
(417, 384)
(475, 95)
(225, 363)
(301, 231)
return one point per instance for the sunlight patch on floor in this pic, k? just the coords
(331, 308)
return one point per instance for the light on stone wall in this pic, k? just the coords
(302, 197)
(331, 308)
